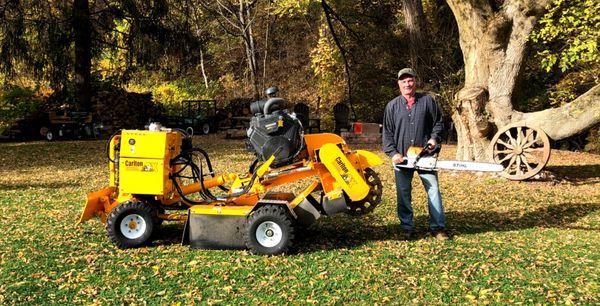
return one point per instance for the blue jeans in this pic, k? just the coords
(437, 219)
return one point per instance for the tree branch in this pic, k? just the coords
(327, 11)
(567, 120)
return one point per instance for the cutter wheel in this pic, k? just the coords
(368, 204)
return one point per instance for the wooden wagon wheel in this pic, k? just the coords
(522, 150)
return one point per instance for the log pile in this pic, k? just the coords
(121, 109)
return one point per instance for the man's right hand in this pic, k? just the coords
(397, 158)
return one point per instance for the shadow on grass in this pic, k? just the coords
(170, 233)
(576, 174)
(343, 232)
(21, 186)
(353, 232)
(64, 155)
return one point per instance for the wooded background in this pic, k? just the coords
(489, 63)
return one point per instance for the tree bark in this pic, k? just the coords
(568, 120)
(83, 54)
(493, 42)
(413, 20)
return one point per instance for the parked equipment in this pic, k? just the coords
(197, 117)
(155, 173)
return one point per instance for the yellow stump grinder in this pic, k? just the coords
(153, 173)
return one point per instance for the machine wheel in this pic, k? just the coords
(130, 224)
(269, 230)
(368, 204)
(522, 150)
(49, 136)
(43, 131)
(190, 131)
(205, 128)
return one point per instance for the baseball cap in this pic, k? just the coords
(408, 71)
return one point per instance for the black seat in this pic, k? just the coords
(341, 114)
(302, 112)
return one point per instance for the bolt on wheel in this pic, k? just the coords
(269, 234)
(269, 230)
(133, 226)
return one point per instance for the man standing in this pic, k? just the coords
(414, 119)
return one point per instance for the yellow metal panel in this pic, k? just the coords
(221, 210)
(143, 144)
(315, 141)
(344, 173)
(143, 176)
(368, 159)
(144, 163)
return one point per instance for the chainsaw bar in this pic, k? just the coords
(468, 166)
(432, 164)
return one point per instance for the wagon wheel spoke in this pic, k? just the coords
(511, 139)
(518, 164)
(519, 136)
(511, 162)
(533, 141)
(500, 141)
(508, 156)
(528, 135)
(526, 162)
(504, 151)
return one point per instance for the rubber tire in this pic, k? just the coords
(118, 213)
(274, 213)
(206, 128)
(49, 135)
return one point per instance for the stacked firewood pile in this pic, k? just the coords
(121, 109)
(236, 108)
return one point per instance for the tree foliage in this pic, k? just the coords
(321, 52)
(569, 35)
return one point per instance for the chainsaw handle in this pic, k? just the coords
(428, 150)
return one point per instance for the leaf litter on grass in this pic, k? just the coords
(530, 242)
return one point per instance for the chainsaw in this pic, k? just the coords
(426, 159)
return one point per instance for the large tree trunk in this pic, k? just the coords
(83, 55)
(493, 43)
(413, 20)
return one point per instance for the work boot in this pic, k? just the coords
(408, 235)
(440, 235)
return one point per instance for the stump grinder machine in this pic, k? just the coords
(154, 173)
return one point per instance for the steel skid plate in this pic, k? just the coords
(215, 231)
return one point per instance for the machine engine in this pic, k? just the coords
(272, 129)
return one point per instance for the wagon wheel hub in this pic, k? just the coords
(518, 150)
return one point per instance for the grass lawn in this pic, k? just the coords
(513, 242)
